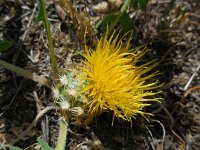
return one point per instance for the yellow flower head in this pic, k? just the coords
(114, 81)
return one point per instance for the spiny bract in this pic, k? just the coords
(114, 80)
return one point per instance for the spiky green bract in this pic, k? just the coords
(67, 93)
(115, 81)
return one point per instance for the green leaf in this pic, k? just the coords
(126, 22)
(44, 145)
(134, 3)
(143, 4)
(14, 148)
(106, 20)
(40, 16)
(5, 45)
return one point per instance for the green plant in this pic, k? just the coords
(122, 17)
(110, 80)
(44, 145)
(5, 45)
(42, 16)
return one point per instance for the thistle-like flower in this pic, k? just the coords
(115, 81)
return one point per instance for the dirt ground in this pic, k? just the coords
(170, 28)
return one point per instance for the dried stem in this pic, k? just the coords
(28, 129)
(25, 73)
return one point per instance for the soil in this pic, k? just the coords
(170, 28)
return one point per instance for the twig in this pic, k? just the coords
(164, 132)
(194, 15)
(180, 141)
(192, 77)
(159, 2)
(23, 134)
(17, 91)
(24, 35)
(151, 135)
(26, 74)
(195, 96)
(45, 121)
(190, 89)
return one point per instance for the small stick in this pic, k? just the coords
(24, 35)
(26, 74)
(190, 89)
(164, 132)
(24, 133)
(152, 139)
(191, 78)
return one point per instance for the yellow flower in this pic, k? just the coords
(114, 80)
